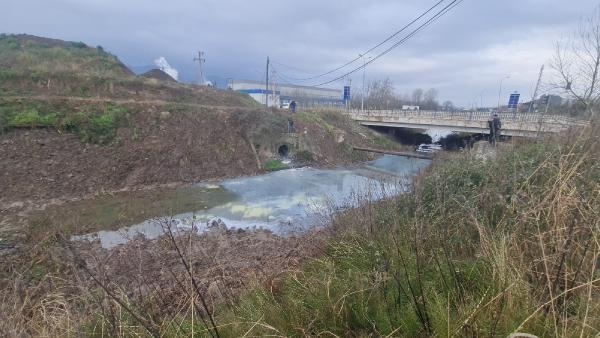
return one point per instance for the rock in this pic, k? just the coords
(164, 115)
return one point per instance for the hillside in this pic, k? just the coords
(32, 66)
(32, 55)
(74, 120)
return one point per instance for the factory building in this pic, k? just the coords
(280, 94)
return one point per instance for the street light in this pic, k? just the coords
(362, 100)
(500, 91)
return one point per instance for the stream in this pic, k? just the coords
(286, 202)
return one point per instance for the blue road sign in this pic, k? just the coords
(513, 101)
(346, 93)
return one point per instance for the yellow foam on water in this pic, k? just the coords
(237, 208)
(257, 212)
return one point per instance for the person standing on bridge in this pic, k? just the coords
(495, 126)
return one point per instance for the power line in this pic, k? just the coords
(284, 78)
(374, 47)
(291, 67)
(438, 15)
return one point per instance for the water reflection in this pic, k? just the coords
(284, 202)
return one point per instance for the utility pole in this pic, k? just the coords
(267, 86)
(362, 94)
(201, 60)
(350, 97)
(537, 86)
(362, 101)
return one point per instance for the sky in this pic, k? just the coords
(466, 54)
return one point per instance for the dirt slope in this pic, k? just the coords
(161, 148)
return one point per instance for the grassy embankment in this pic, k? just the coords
(479, 248)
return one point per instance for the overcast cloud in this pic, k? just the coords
(464, 55)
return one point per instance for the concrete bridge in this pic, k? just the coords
(513, 124)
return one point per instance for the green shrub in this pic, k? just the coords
(274, 165)
(102, 128)
(32, 118)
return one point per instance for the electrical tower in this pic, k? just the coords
(201, 60)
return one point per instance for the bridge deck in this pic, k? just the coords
(513, 124)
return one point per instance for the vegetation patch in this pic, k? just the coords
(31, 118)
(274, 165)
(93, 124)
(315, 118)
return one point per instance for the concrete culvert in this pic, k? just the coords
(283, 150)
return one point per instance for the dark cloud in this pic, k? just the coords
(464, 54)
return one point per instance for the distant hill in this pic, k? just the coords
(158, 75)
(141, 69)
(28, 54)
(36, 66)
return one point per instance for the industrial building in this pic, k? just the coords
(278, 94)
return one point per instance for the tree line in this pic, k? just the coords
(381, 94)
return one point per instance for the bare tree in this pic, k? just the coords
(430, 99)
(381, 94)
(417, 96)
(577, 63)
(448, 105)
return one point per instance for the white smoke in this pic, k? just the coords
(163, 65)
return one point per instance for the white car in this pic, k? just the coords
(428, 148)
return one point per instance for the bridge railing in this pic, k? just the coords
(465, 116)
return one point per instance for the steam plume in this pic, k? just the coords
(163, 65)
